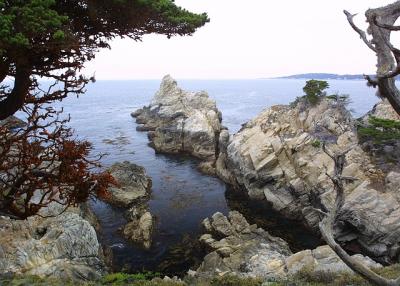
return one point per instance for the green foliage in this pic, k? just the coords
(306, 277)
(314, 90)
(316, 143)
(235, 281)
(31, 24)
(123, 278)
(53, 39)
(380, 130)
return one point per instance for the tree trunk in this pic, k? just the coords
(16, 98)
(381, 23)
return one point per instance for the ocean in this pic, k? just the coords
(181, 196)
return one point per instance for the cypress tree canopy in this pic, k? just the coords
(54, 38)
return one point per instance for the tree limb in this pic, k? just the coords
(326, 226)
(362, 34)
(16, 98)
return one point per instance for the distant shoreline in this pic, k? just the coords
(325, 76)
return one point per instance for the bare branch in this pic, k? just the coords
(326, 226)
(362, 34)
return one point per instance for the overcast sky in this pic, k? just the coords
(248, 39)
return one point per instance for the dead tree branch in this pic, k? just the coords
(326, 226)
(381, 23)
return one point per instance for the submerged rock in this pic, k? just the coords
(133, 184)
(181, 122)
(64, 246)
(237, 248)
(278, 157)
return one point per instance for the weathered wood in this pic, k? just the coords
(381, 23)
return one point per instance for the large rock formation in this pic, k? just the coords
(180, 121)
(237, 248)
(132, 192)
(64, 246)
(278, 157)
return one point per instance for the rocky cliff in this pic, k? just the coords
(64, 246)
(181, 122)
(277, 157)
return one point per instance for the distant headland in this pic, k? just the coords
(324, 76)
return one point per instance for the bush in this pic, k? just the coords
(380, 130)
(235, 281)
(124, 279)
(314, 90)
(316, 143)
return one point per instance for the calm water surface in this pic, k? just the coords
(181, 196)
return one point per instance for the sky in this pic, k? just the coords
(247, 40)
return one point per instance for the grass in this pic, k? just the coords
(306, 277)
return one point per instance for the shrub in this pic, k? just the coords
(124, 278)
(314, 90)
(235, 281)
(380, 130)
(316, 143)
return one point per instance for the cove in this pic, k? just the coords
(181, 196)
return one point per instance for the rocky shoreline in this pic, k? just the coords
(237, 248)
(277, 157)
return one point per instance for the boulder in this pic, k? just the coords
(140, 230)
(278, 157)
(237, 248)
(181, 122)
(64, 246)
(133, 184)
(133, 192)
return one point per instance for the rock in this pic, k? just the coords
(277, 157)
(133, 192)
(383, 110)
(140, 230)
(207, 168)
(376, 214)
(12, 122)
(64, 246)
(238, 250)
(133, 184)
(182, 122)
(251, 252)
(323, 259)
